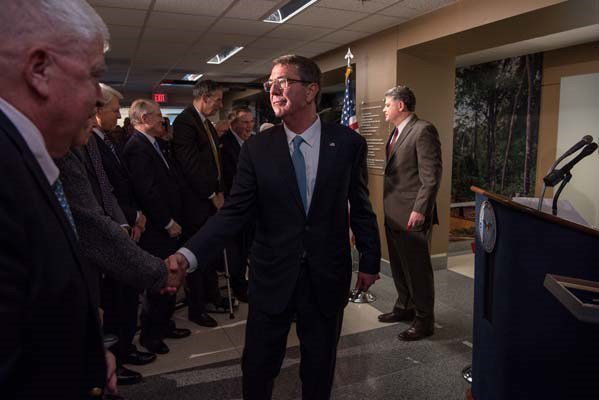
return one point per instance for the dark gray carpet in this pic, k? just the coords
(370, 365)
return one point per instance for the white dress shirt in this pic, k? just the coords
(34, 140)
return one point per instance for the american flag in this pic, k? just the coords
(348, 115)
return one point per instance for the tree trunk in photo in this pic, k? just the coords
(528, 150)
(510, 132)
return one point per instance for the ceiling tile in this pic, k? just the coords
(179, 21)
(197, 7)
(161, 35)
(427, 5)
(137, 4)
(376, 23)
(271, 43)
(326, 17)
(400, 10)
(251, 9)
(121, 16)
(343, 37)
(121, 48)
(242, 27)
(118, 32)
(227, 40)
(295, 31)
(357, 5)
(317, 47)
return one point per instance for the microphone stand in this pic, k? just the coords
(567, 177)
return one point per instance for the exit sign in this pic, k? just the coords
(160, 98)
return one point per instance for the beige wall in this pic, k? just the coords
(421, 53)
(576, 60)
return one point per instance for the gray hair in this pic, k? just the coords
(403, 93)
(139, 108)
(71, 24)
(205, 88)
(109, 93)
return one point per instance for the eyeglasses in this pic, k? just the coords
(282, 83)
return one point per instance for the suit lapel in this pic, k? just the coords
(149, 147)
(42, 183)
(326, 161)
(402, 138)
(284, 164)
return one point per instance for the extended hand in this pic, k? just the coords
(177, 261)
(365, 280)
(141, 222)
(218, 200)
(416, 219)
(110, 373)
(175, 230)
(136, 233)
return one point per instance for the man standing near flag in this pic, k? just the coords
(412, 178)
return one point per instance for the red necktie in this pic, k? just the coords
(392, 142)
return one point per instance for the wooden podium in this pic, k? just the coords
(527, 345)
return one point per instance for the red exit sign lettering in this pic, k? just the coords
(160, 98)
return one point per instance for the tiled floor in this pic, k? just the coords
(371, 363)
(225, 342)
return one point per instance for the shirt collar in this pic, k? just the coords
(152, 139)
(310, 135)
(239, 140)
(99, 132)
(33, 138)
(403, 123)
(200, 114)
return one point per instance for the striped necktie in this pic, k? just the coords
(64, 204)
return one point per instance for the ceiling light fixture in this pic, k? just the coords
(288, 11)
(192, 77)
(225, 55)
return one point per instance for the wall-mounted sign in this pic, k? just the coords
(376, 132)
(160, 98)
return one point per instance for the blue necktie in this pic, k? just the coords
(64, 204)
(159, 150)
(299, 164)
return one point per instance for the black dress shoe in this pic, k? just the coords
(126, 376)
(154, 345)
(420, 329)
(397, 316)
(138, 358)
(203, 319)
(178, 333)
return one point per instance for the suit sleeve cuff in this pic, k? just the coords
(170, 223)
(191, 259)
(212, 196)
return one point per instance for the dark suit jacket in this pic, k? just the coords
(413, 175)
(119, 178)
(229, 157)
(158, 191)
(50, 341)
(285, 236)
(104, 243)
(192, 152)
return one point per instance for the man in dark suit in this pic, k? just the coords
(242, 124)
(296, 180)
(107, 169)
(195, 149)
(51, 343)
(412, 178)
(156, 184)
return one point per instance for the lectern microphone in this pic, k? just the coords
(556, 176)
(587, 139)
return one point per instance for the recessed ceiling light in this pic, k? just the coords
(288, 10)
(225, 55)
(192, 77)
